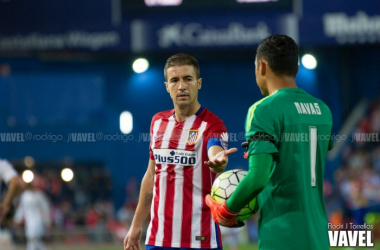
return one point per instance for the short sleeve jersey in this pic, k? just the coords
(179, 215)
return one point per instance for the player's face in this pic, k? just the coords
(260, 80)
(183, 85)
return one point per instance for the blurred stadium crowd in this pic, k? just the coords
(353, 196)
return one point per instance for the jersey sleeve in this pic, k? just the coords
(260, 130)
(7, 172)
(217, 135)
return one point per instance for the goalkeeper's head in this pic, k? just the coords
(277, 59)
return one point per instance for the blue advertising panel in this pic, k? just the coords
(94, 39)
(60, 25)
(25, 16)
(340, 22)
(152, 25)
(165, 6)
(208, 31)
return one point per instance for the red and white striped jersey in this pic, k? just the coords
(179, 214)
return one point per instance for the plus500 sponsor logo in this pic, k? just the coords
(179, 157)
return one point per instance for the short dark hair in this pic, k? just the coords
(281, 53)
(181, 60)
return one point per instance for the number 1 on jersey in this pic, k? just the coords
(313, 153)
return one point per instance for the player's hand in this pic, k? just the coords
(220, 159)
(221, 214)
(132, 240)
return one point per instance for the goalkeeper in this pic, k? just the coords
(286, 147)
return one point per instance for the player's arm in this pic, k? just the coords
(253, 183)
(132, 239)
(218, 158)
(217, 147)
(262, 146)
(261, 137)
(14, 187)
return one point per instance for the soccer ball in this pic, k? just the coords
(225, 184)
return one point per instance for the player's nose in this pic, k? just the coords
(182, 85)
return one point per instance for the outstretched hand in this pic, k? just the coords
(220, 159)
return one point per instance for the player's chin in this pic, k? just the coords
(183, 103)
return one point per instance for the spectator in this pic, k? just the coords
(9, 176)
(35, 211)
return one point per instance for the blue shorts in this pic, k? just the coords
(149, 247)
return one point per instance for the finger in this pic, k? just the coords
(132, 245)
(209, 201)
(126, 243)
(129, 246)
(216, 162)
(211, 164)
(138, 246)
(221, 162)
(230, 151)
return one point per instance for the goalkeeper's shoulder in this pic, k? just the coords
(263, 104)
(260, 108)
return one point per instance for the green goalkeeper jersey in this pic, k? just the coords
(295, 128)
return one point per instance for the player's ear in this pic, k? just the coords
(167, 87)
(199, 83)
(263, 67)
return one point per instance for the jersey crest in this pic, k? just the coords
(192, 137)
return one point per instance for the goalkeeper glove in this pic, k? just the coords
(222, 215)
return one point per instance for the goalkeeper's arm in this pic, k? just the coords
(253, 183)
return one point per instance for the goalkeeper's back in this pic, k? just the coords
(295, 128)
(292, 208)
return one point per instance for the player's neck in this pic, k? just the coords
(184, 112)
(281, 83)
